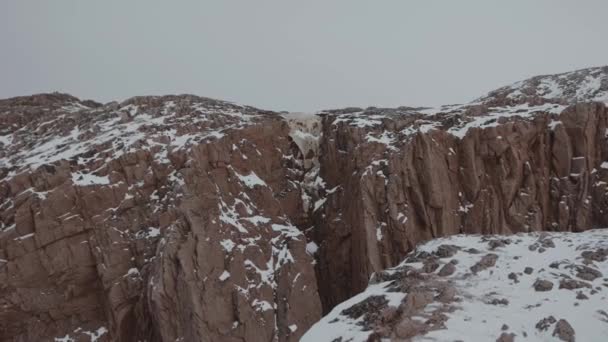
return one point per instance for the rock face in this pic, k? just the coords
(182, 218)
(159, 219)
(528, 157)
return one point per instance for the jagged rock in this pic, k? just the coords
(528, 270)
(572, 284)
(487, 261)
(542, 285)
(369, 305)
(497, 301)
(446, 251)
(408, 328)
(545, 323)
(430, 265)
(563, 330)
(598, 255)
(506, 337)
(496, 243)
(416, 300)
(587, 273)
(447, 294)
(447, 270)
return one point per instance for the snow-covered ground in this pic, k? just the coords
(535, 276)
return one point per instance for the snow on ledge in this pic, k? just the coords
(250, 180)
(85, 179)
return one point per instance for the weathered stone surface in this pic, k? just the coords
(487, 261)
(447, 270)
(545, 323)
(506, 337)
(542, 285)
(159, 219)
(563, 331)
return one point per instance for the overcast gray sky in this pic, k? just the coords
(294, 55)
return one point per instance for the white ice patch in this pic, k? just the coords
(225, 275)
(153, 232)
(250, 180)
(312, 248)
(319, 203)
(228, 245)
(6, 140)
(95, 335)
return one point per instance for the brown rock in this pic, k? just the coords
(564, 331)
(506, 337)
(587, 273)
(447, 270)
(599, 255)
(545, 323)
(408, 328)
(542, 285)
(446, 251)
(487, 261)
(572, 284)
(430, 265)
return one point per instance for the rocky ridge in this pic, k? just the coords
(182, 218)
(499, 165)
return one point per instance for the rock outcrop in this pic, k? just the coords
(411, 303)
(521, 159)
(182, 218)
(159, 219)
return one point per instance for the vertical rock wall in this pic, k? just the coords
(517, 176)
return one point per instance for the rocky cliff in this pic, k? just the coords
(182, 218)
(158, 219)
(528, 157)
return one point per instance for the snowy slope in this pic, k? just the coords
(502, 299)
